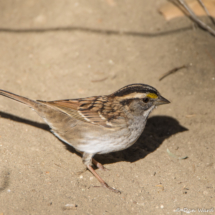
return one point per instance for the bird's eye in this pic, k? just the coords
(146, 100)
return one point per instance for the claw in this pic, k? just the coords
(108, 187)
(103, 183)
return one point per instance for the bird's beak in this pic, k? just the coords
(161, 101)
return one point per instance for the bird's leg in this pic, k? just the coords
(103, 183)
(98, 165)
(87, 160)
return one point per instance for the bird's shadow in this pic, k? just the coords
(25, 121)
(158, 128)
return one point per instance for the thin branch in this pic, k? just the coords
(195, 18)
(173, 71)
(206, 11)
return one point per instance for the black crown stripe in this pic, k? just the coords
(135, 88)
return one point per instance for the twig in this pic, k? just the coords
(206, 11)
(98, 80)
(195, 18)
(173, 71)
(171, 154)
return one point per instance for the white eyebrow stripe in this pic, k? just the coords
(134, 95)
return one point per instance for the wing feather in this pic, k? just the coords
(97, 110)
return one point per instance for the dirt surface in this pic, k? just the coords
(69, 49)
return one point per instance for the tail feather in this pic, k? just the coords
(18, 98)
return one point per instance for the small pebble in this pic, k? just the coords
(110, 62)
(70, 207)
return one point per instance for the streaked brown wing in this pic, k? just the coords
(96, 110)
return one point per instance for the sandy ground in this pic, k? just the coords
(69, 49)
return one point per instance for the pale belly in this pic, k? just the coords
(111, 142)
(101, 140)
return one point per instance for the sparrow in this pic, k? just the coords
(98, 124)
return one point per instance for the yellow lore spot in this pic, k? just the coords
(152, 95)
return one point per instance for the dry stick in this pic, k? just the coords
(172, 71)
(195, 18)
(98, 80)
(206, 11)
